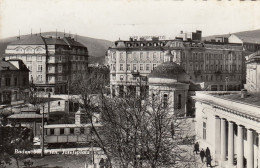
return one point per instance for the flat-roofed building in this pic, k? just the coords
(229, 124)
(216, 65)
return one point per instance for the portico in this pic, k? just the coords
(232, 131)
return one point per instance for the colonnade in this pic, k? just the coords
(227, 140)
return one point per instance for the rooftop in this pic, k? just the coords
(5, 65)
(46, 40)
(231, 102)
(252, 98)
(26, 116)
(170, 70)
(31, 40)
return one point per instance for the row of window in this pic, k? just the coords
(194, 56)
(213, 67)
(218, 78)
(129, 67)
(165, 99)
(62, 131)
(59, 78)
(139, 55)
(29, 50)
(7, 81)
(27, 57)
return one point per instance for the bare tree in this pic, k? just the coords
(136, 132)
(14, 139)
(143, 133)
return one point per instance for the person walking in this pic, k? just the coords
(209, 160)
(202, 155)
(196, 147)
(102, 163)
(207, 152)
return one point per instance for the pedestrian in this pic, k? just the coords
(207, 152)
(172, 130)
(202, 155)
(244, 161)
(196, 147)
(209, 160)
(102, 163)
(107, 164)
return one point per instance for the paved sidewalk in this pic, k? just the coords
(204, 164)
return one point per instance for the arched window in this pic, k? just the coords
(165, 100)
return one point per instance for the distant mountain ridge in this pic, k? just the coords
(96, 47)
(251, 33)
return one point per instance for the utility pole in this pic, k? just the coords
(68, 97)
(49, 95)
(42, 154)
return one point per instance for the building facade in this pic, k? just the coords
(52, 61)
(229, 124)
(250, 43)
(168, 87)
(14, 82)
(253, 71)
(216, 65)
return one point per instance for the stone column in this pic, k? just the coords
(250, 141)
(217, 137)
(230, 144)
(258, 157)
(240, 146)
(223, 140)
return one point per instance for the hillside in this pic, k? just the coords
(252, 33)
(96, 47)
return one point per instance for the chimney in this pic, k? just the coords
(243, 93)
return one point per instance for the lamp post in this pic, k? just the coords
(93, 155)
(42, 154)
(68, 97)
(49, 96)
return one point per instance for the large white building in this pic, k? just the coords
(229, 122)
(52, 61)
(218, 65)
(230, 126)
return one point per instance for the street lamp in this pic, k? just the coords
(42, 154)
(93, 155)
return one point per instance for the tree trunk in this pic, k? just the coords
(17, 163)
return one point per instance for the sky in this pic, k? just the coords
(114, 19)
